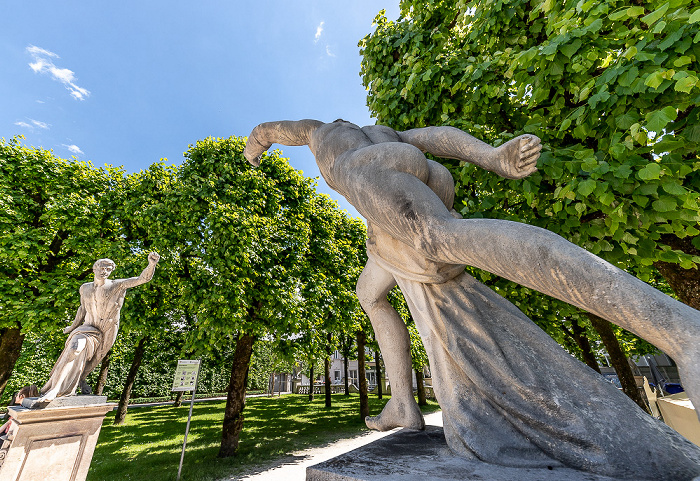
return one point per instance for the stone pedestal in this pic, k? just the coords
(409, 455)
(55, 443)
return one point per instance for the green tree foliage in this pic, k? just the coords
(266, 258)
(55, 221)
(611, 88)
(334, 260)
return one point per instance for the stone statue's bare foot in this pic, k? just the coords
(397, 414)
(517, 158)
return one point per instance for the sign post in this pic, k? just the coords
(186, 376)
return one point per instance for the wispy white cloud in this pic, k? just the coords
(74, 149)
(40, 52)
(43, 63)
(319, 31)
(328, 51)
(41, 125)
(32, 123)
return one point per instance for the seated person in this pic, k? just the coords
(27, 391)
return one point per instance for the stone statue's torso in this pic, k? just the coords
(102, 303)
(330, 141)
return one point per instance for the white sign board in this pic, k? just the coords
(186, 375)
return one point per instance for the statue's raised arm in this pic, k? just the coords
(515, 159)
(145, 276)
(285, 132)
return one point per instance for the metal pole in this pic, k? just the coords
(187, 429)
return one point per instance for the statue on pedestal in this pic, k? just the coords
(510, 395)
(94, 330)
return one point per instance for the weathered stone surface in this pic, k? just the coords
(55, 443)
(411, 455)
(510, 395)
(67, 401)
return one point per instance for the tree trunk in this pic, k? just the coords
(178, 399)
(618, 359)
(102, 378)
(129, 383)
(311, 383)
(378, 373)
(420, 384)
(364, 399)
(235, 399)
(11, 339)
(327, 380)
(327, 370)
(346, 373)
(579, 334)
(684, 282)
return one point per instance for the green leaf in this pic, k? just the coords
(607, 198)
(571, 48)
(628, 77)
(658, 119)
(620, 14)
(686, 84)
(695, 16)
(635, 11)
(654, 79)
(664, 204)
(656, 14)
(680, 61)
(625, 121)
(586, 187)
(650, 172)
(673, 188)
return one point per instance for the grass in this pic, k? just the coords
(148, 445)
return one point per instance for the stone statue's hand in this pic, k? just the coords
(254, 149)
(517, 158)
(68, 330)
(153, 258)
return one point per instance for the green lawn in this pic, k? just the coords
(148, 446)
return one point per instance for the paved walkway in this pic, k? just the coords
(293, 467)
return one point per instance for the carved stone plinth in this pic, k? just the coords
(409, 455)
(54, 443)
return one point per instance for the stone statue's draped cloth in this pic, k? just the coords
(68, 384)
(510, 395)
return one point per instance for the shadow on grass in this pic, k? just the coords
(148, 446)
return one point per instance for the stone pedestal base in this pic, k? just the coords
(423, 455)
(54, 443)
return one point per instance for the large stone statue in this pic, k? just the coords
(93, 331)
(510, 395)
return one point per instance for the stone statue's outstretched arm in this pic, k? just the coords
(79, 318)
(145, 276)
(285, 132)
(515, 159)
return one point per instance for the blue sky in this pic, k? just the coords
(128, 83)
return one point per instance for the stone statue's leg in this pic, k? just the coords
(387, 184)
(66, 373)
(84, 387)
(402, 410)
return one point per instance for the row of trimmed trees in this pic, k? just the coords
(250, 257)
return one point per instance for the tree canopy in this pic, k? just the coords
(611, 88)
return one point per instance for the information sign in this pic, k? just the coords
(186, 375)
